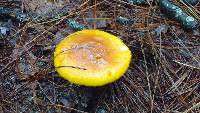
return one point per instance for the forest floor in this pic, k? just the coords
(163, 77)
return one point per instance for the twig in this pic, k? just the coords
(187, 65)
(193, 107)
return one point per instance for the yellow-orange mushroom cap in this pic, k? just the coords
(91, 58)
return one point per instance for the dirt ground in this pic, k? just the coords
(163, 77)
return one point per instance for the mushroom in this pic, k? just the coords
(91, 58)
